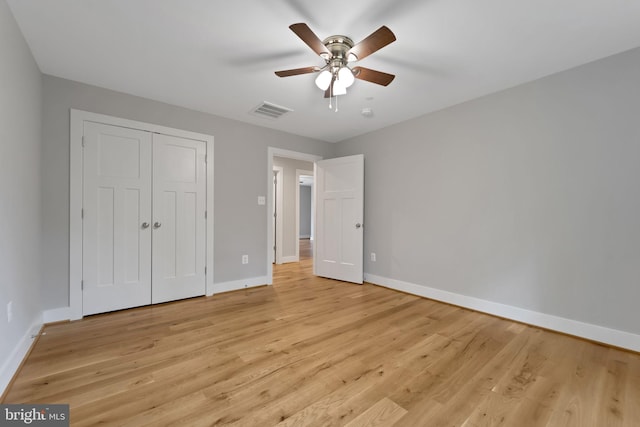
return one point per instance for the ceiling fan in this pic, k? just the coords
(338, 51)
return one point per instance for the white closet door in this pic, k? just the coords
(117, 214)
(179, 204)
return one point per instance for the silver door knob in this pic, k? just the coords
(145, 225)
(157, 225)
(358, 225)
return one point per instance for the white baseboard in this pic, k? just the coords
(56, 315)
(12, 364)
(235, 285)
(286, 259)
(588, 331)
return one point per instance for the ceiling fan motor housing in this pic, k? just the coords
(339, 47)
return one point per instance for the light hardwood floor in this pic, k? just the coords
(317, 352)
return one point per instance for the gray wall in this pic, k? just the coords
(527, 197)
(305, 211)
(20, 192)
(240, 171)
(289, 237)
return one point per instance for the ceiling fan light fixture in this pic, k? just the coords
(345, 76)
(339, 88)
(324, 80)
(351, 57)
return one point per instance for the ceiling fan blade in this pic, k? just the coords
(375, 41)
(297, 71)
(373, 76)
(306, 35)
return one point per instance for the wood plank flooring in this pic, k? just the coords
(309, 351)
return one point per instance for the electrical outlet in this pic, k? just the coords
(373, 257)
(10, 311)
(245, 259)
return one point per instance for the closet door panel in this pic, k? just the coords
(116, 205)
(179, 204)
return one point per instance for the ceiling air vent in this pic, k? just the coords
(270, 111)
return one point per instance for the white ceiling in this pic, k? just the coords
(220, 57)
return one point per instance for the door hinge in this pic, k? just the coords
(82, 284)
(82, 213)
(83, 141)
(206, 158)
(205, 270)
(205, 214)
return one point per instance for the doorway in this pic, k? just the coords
(339, 197)
(287, 198)
(289, 217)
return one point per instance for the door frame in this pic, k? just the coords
(271, 153)
(77, 119)
(278, 203)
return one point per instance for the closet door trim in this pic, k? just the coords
(77, 120)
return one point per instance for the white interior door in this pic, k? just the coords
(179, 205)
(339, 218)
(116, 218)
